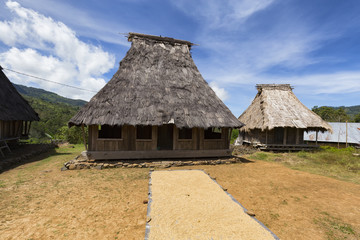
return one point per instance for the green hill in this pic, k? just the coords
(54, 112)
(338, 114)
(47, 96)
(351, 111)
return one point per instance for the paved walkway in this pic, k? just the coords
(187, 204)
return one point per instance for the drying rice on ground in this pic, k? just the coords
(187, 204)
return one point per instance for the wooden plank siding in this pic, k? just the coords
(128, 141)
(290, 136)
(10, 129)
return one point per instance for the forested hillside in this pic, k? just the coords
(54, 112)
(47, 96)
(338, 114)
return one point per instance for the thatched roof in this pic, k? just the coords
(12, 105)
(275, 105)
(157, 83)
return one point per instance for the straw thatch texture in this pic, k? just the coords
(157, 83)
(12, 105)
(275, 105)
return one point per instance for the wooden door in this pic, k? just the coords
(165, 137)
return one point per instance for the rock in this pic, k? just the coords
(98, 167)
(250, 213)
(145, 201)
(106, 165)
(72, 166)
(79, 166)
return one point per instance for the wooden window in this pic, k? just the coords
(185, 133)
(212, 133)
(107, 131)
(143, 132)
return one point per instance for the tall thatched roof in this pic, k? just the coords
(275, 105)
(157, 83)
(12, 105)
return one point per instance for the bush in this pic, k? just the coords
(72, 135)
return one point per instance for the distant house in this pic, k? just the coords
(342, 133)
(16, 114)
(276, 119)
(157, 105)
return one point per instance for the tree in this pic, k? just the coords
(331, 114)
(357, 118)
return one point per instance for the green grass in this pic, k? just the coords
(334, 227)
(327, 161)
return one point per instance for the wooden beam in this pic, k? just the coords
(201, 138)
(346, 135)
(158, 154)
(285, 136)
(84, 138)
(175, 137)
(297, 136)
(195, 138)
(154, 137)
(266, 136)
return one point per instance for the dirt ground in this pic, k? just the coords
(293, 204)
(38, 201)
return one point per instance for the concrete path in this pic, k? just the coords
(188, 204)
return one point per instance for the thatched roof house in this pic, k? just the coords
(276, 116)
(15, 112)
(157, 91)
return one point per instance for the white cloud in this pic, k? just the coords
(88, 23)
(222, 14)
(43, 47)
(220, 92)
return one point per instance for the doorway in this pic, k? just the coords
(279, 135)
(165, 137)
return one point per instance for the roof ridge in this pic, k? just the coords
(132, 36)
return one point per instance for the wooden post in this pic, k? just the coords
(154, 137)
(317, 131)
(201, 138)
(266, 136)
(175, 137)
(285, 136)
(346, 136)
(83, 131)
(297, 136)
(29, 128)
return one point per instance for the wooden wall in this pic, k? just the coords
(128, 142)
(10, 129)
(275, 136)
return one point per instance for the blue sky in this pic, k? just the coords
(312, 45)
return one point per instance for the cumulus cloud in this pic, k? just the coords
(49, 49)
(220, 92)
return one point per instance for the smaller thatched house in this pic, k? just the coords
(276, 118)
(16, 114)
(157, 105)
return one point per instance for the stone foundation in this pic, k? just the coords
(81, 162)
